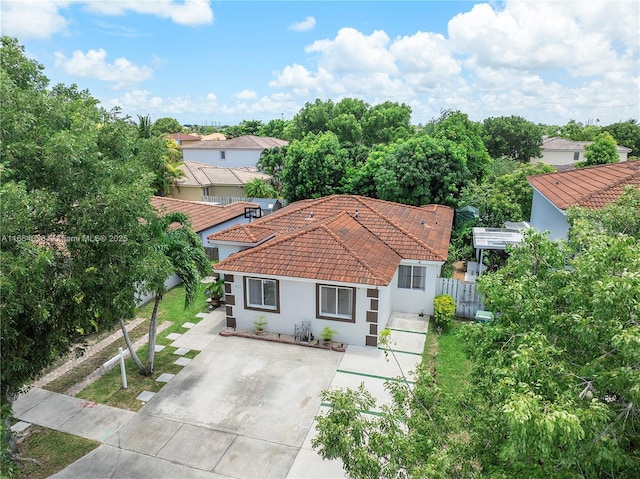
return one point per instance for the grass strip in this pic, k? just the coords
(54, 450)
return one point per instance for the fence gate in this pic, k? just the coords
(468, 301)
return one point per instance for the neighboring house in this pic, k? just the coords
(202, 182)
(234, 153)
(341, 261)
(563, 153)
(591, 187)
(182, 138)
(206, 219)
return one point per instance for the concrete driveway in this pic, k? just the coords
(242, 408)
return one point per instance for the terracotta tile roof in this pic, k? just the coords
(203, 215)
(342, 238)
(213, 136)
(250, 234)
(591, 187)
(247, 142)
(201, 174)
(335, 249)
(182, 137)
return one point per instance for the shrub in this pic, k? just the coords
(444, 310)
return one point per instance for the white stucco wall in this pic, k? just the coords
(416, 301)
(233, 158)
(171, 282)
(545, 216)
(297, 304)
(214, 229)
(551, 157)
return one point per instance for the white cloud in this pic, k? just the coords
(354, 52)
(93, 65)
(43, 18)
(187, 12)
(304, 26)
(246, 95)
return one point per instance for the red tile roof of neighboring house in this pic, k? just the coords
(182, 137)
(202, 215)
(341, 238)
(249, 142)
(592, 187)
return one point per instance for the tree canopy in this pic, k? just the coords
(74, 218)
(602, 151)
(513, 137)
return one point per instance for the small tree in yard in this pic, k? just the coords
(602, 151)
(444, 310)
(175, 250)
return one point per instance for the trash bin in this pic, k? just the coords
(483, 316)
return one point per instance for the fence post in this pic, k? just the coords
(123, 372)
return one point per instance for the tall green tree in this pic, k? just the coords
(312, 118)
(75, 201)
(456, 127)
(175, 249)
(386, 122)
(626, 133)
(165, 126)
(416, 171)
(513, 137)
(602, 151)
(507, 197)
(314, 166)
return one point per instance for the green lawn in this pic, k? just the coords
(108, 389)
(53, 449)
(452, 365)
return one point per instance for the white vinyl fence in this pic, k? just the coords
(468, 301)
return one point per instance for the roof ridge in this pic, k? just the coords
(353, 253)
(401, 229)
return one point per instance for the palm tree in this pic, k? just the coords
(258, 188)
(175, 249)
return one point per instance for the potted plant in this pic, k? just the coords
(259, 324)
(327, 335)
(215, 291)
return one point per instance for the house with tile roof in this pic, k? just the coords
(342, 261)
(592, 187)
(183, 138)
(203, 182)
(207, 218)
(564, 153)
(234, 153)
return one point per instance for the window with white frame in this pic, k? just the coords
(411, 277)
(335, 302)
(261, 294)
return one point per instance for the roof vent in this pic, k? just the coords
(356, 215)
(423, 222)
(311, 215)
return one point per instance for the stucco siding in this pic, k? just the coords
(297, 301)
(545, 216)
(233, 158)
(412, 300)
(187, 193)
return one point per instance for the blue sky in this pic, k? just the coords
(222, 62)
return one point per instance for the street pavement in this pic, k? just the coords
(241, 408)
